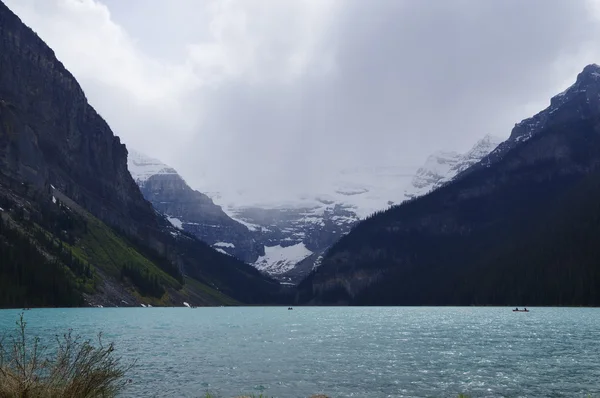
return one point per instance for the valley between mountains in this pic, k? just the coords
(87, 221)
(288, 240)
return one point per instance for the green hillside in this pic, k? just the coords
(54, 253)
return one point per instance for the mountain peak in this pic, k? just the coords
(591, 69)
(489, 138)
(143, 167)
(482, 147)
(588, 77)
(442, 167)
(580, 100)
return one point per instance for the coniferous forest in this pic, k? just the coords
(30, 278)
(523, 232)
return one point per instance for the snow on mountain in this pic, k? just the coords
(299, 228)
(175, 222)
(361, 191)
(190, 210)
(291, 229)
(368, 190)
(441, 167)
(142, 167)
(354, 194)
(481, 149)
(224, 244)
(279, 259)
(221, 250)
(437, 167)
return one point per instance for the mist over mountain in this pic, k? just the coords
(515, 228)
(287, 238)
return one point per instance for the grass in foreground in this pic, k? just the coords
(76, 369)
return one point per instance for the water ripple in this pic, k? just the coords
(344, 352)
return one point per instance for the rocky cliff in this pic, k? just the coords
(578, 102)
(56, 137)
(55, 144)
(190, 210)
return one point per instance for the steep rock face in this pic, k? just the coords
(191, 210)
(495, 234)
(53, 141)
(56, 137)
(578, 102)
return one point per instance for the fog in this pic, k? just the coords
(275, 96)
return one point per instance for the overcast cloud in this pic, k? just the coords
(278, 93)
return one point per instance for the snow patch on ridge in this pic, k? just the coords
(222, 251)
(175, 222)
(278, 259)
(225, 244)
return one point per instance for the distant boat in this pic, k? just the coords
(518, 310)
(290, 308)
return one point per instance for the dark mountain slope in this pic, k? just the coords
(192, 211)
(55, 143)
(56, 136)
(520, 230)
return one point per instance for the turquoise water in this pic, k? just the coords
(344, 352)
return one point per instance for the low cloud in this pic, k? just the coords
(276, 96)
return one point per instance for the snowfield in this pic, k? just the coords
(278, 259)
(177, 223)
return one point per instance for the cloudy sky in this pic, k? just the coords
(279, 93)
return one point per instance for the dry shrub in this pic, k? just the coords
(76, 368)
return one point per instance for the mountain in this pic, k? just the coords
(75, 228)
(272, 238)
(190, 210)
(441, 167)
(520, 227)
(429, 176)
(577, 102)
(297, 233)
(288, 239)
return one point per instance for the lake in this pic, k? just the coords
(343, 352)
